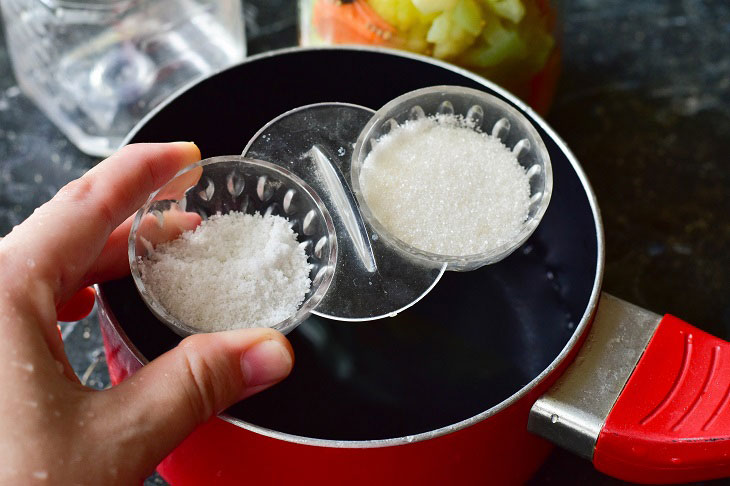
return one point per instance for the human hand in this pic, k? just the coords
(53, 430)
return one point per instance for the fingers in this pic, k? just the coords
(63, 238)
(155, 409)
(113, 262)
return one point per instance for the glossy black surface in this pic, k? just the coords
(473, 342)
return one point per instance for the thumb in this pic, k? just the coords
(161, 404)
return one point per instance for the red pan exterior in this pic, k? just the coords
(496, 450)
(492, 448)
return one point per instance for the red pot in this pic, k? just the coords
(444, 393)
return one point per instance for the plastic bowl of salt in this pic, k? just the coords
(451, 175)
(232, 242)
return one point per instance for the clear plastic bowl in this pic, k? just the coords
(489, 115)
(234, 183)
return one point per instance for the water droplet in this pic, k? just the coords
(682, 249)
(554, 418)
(26, 366)
(638, 450)
(676, 460)
(42, 475)
(655, 249)
(341, 151)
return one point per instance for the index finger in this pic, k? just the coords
(64, 237)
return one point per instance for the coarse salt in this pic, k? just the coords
(441, 186)
(232, 271)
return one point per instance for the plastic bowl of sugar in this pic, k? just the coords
(232, 242)
(451, 175)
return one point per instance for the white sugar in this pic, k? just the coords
(441, 186)
(234, 270)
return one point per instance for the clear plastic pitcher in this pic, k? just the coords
(97, 67)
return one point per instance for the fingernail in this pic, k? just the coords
(265, 363)
(184, 142)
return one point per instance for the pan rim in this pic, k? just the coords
(579, 331)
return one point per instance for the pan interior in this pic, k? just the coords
(474, 341)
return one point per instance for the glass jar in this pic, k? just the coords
(97, 67)
(511, 42)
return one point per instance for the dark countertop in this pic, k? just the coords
(643, 104)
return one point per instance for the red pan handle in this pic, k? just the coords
(647, 398)
(671, 422)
